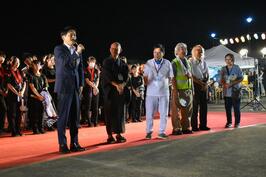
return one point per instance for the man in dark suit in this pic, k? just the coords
(68, 86)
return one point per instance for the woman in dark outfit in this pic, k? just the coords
(15, 94)
(49, 71)
(37, 83)
(3, 93)
(137, 94)
(91, 92)
(115, 75)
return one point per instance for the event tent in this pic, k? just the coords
(215, 57)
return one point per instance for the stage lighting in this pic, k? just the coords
(242, 39)
(243, 52)
(213, 35)
(222, 42)
(248, 37)
(237, 40)
(256, 36)
(263, 36)
(231, 40)
(249, 19)
(263, 51)
(225, 41)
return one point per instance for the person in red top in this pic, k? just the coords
(91, 92)
(3, 93)
(16, 87)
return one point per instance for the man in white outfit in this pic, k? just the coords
(158, 73)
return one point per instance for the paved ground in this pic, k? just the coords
(237, 153)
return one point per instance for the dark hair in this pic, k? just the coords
(231, 56)
(36, 62)
(67, 29)
(133, 66)
(91, 58)
(2, 54)
(160, 46)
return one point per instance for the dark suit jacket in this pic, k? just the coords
(69, 70)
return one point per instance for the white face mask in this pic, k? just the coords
(91, 65)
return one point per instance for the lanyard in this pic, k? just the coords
(91, 71)
(161, 64)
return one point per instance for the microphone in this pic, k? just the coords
(75, 44)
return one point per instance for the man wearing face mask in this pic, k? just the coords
(91, 93)
(182, 93)
(158, 73)
(114, 79)
(68, 86)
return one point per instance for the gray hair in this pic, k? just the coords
(194, 48)
(180, 45)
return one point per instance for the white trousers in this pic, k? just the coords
(156, 104)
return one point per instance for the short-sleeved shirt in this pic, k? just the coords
(229, 76)
(39, 83)
(158, 77)
(12, 81)
(199, 69)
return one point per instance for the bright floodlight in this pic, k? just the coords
(213, 35)
(237, 40)
(221, 41)
(242, 39)
(225, 41)
(231, 40)
(249, 19)
(263, 36)
(248, 37)
(243, 52)
(256, 36)
(263, 51)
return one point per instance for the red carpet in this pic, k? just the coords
(17, 151)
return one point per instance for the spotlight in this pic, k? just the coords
(242, 39)
(231, 40)
(248, 37)
(213, 35)
(256, 36)
(225, 41)
(263, 51)
(263, 36)
(237, 40)
(249, 19)
(221, 41)
(243, 52)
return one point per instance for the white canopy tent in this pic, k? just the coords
(215, 57)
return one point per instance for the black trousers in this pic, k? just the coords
(3, 110)
(13, 115)
(91, 103)
(230, 103)
(136, 107)
(199, 106)
(36, 110)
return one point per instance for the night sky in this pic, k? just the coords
(138, 25)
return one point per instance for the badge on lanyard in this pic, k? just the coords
(120, 77)
(158, 77)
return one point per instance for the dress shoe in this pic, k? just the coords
(64, 149)
(75, 147)
(205, 128)
(120, 139)
(187, 131)
(111, 140)
(195, 129)
(177, 132)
